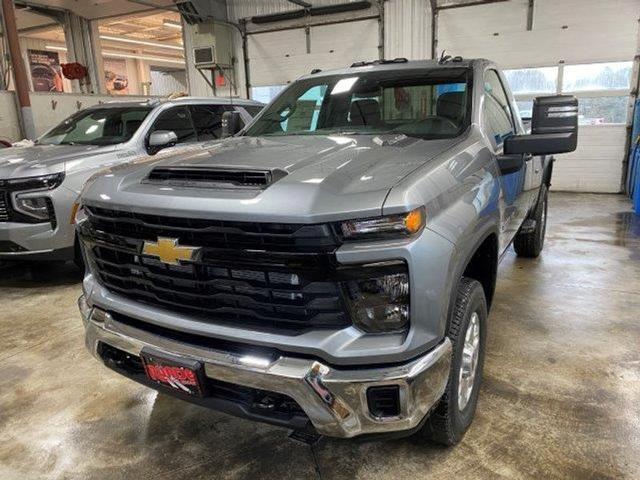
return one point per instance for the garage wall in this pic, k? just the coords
(407, 29)
(49, 109)
(9, 123)
(561, 31)
(610, 27)
(278, 58)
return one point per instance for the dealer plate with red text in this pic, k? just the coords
(182, 375)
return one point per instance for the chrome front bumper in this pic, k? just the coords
(334, 399)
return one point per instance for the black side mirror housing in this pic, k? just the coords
(554, 128)
(230, 123)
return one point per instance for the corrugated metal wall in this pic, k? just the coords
(407, 26)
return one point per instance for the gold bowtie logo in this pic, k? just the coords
(168, 250)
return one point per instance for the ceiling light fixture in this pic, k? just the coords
(125, 55)
(171, 24)
(141, 42)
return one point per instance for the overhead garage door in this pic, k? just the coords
(278, 58)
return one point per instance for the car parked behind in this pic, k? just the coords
(40, 184)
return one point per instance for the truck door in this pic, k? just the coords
(498, 124)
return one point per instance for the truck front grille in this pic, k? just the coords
(269, 276)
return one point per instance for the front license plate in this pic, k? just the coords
(186, 376)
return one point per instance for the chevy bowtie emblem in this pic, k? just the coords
(168, 250)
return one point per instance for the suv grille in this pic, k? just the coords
(4, 212)
(270, 276)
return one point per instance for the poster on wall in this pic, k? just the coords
(45, 71)
(115, 75)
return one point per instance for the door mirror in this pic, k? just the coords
(161, 139)
(230, 124)
(554, 128)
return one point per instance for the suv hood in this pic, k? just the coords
(19, 162)
(328, 178)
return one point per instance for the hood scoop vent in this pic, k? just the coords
(214, 177)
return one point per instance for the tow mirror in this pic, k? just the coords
(554, 128)
(230, 124)
(161, 139)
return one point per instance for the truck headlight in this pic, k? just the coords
(404, 224)
(380, 304)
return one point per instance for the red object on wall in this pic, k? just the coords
(221, 81)
(74, 71)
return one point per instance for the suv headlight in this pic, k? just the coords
(26, 199)
(405, 224)
(380, 303)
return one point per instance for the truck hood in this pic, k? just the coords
(19, 162)
(327, 178)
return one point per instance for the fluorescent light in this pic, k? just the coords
(140, 42)
(344, 85)
(125, 55)
(171, 24)
(143, 57)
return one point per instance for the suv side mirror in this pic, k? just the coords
(230, 123)
(162, 139)
(554, 128)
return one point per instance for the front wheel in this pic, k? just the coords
(530, 244)
(467, 331)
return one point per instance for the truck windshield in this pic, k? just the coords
(97, 126)
(424, 103)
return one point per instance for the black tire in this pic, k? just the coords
(529, 245)
(448, 423)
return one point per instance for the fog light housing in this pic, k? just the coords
(36, 207)
(380, 304)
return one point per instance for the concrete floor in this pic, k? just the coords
(560, 398)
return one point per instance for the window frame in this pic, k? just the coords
(512, 118)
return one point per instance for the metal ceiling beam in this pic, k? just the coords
(434, 29)
(530, 8)
(469, 4)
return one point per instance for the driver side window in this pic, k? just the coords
(177, 120)
(497, 111)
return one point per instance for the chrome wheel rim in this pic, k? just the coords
(469, 363)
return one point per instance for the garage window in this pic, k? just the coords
(265, 94)
(533, 80)
(602, 89)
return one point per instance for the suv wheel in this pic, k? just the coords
(467, 331)
(530, 244)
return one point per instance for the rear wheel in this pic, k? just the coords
(530, 244)
(467, 331)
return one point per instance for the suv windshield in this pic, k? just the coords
(425, 103)
(97, 126)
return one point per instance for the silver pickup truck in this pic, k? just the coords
(40, 184)
(330, 268)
